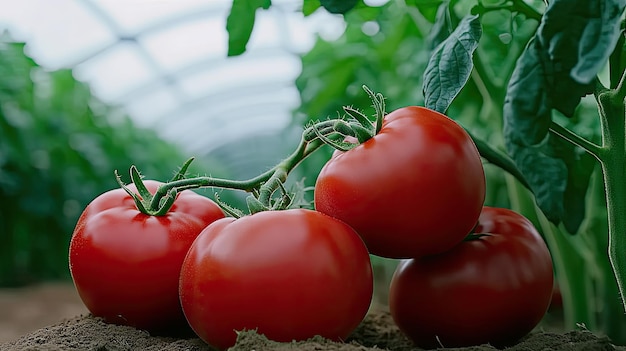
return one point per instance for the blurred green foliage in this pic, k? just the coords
(59, 147)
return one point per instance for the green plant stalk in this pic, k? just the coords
(498, 158)
(265, 183)
(612, 157)
(613, 113)
(282, 170)
(595, 228)
(263, 186)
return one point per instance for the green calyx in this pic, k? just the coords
(147, 202)
(354, 124)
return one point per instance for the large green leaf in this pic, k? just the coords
(576, 38)
(451, 64)
(240, 23)
(558, 67)
(527, 114)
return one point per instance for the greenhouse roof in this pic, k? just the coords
(165, 62)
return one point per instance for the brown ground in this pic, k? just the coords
(23, 310)
(51, 317)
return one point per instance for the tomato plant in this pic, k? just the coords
(289, 274)
(494, 288)
(400, 188)
(126, 264)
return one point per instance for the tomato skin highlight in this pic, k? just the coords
(126, 264)
(494, 289)
(289, 274)
(414, 189)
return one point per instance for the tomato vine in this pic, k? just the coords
(263, 187)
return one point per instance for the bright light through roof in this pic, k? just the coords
(176, 47)
(54, 37)
(126, 70)
(133, 16)
(165, 60)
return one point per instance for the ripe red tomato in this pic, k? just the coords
(494, 289)
(289, 274)
(126, 264)
(416, 188)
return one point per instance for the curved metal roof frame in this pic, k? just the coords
(233, 96)
(229, 114)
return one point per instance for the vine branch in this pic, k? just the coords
(595, 150)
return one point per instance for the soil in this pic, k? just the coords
(26, 309)
(84, 332)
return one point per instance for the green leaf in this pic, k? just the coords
(600, 32)
(451, 64)
(546, 175)
(310, 6)
(527, 113)
(580, 166)
(240, 23)
(574, 40)
(338, 6)
(527, 118)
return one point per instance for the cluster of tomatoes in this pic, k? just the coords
(470, 274)
(415, 191)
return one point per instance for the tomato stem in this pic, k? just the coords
(262, 186)
(331, 132)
